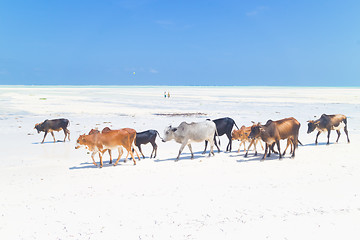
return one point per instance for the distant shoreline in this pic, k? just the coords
(167, 86)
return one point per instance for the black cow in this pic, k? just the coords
(53, 125)
(328, 123)
(146, 137)
(223, 126)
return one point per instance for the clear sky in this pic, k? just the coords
(213, 42)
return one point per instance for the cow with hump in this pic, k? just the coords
(53, 125)
(328, 123)
(273, 131)
(186, 133)
(109, 139)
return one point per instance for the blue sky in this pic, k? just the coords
(300, 43)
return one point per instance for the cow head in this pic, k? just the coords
(311, 126)
(80, 141)
(39, 127)
(235, 134)
(256, 130)
(169, 133)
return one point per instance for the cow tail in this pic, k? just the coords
(159, 135)
(236, 125)
(300, 142)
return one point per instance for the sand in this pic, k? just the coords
(52, 191)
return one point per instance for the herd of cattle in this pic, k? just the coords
(271, 133)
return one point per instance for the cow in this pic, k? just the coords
(243, 136)
(100, 142)
(223, 126)
(96, 131)
(274, 131)
(328, 123)
(186, 133)
(53, 125)
(146, 137)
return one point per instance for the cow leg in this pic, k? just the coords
(180, 150)
(251, 143)
(271, 148)
(255, 146)
(46, 132)
(216, 145)
(206, 143)
(293, 147)
(190, 148)
(278, 146)
(347, 134)
(154, 149)
(68, 132)
(92, 156)
(109, 151)
(101, 161)
(212, 148)
(132, 155)
(287, 145)
(140, 151)
(266, 149)
(316, 139)
(65, 132)
(240, 146)
(52, 133)
(262, 148)
(120, 154)
(229, 146)
(338, 132)
(328, 137)
(136, 152)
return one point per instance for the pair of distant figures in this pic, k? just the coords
(166, 95)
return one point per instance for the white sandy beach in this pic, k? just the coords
(52, 191)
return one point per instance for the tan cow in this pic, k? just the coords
(113, 139)
(243, 136)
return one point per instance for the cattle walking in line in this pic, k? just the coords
(243, 136)
(146, 137)
(186, 133)
(328, 123)
(223, 126)
(53, 125)
(273, 131)
(113, 139)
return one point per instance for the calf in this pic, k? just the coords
(186, 133)
(274, 131)
(100, 142)
(328, 123)
(146, 137)
(243, 136)
(223, 126)
(53, 125)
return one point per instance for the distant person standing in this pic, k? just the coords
(168, 94)
(165, 94)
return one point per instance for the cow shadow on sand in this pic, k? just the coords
(57, 141)
(185, 156)
(252, 158)
(319, 144)
(90, 165)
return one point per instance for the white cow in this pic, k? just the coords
(186, 133)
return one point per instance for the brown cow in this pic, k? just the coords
(243, 136)
(100, 142)
(328, 123)
(274, 131)
(106, 129)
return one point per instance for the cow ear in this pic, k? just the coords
(174, 129)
